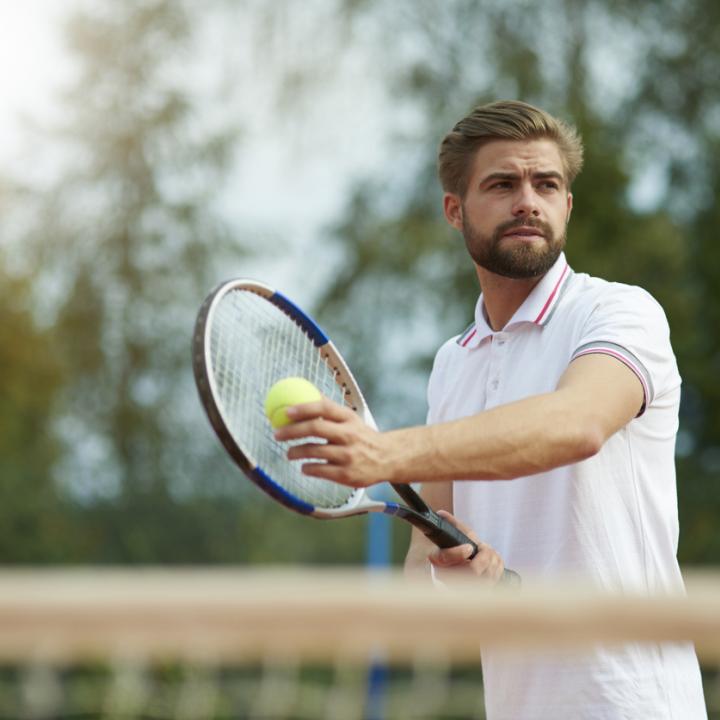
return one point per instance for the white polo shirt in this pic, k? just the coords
(610, 520)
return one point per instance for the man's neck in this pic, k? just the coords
(503, 296)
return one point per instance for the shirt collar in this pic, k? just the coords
(537, 308)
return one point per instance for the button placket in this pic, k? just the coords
(496, 360)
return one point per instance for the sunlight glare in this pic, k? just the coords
(31, 63)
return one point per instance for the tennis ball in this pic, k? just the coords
(287, 392)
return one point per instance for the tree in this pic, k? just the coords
(33, 525)
(124, 245)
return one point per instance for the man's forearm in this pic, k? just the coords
(522, 438)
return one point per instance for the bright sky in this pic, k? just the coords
(288, 187)
(32, 64)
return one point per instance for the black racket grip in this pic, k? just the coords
(447, 535)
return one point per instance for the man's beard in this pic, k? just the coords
(519, 261)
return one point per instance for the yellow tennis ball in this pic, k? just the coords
(287, 392)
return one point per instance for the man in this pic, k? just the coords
(562, 398)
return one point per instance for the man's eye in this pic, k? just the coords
(549, 185)
(501, 185)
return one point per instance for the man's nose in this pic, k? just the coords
(525, 204)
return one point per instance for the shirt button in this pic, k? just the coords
(500, 342)
(494, 384)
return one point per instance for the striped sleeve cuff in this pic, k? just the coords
(627, 358)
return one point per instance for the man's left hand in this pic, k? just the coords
(452, 563)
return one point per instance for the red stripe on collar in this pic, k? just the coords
(539, 318)
(469, 337)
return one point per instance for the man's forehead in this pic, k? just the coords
(511, 155)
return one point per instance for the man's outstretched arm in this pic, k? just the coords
(596, 396)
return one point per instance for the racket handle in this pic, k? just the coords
(439, 531)
(446, 535)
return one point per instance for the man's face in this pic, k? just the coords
(515, 211)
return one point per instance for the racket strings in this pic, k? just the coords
(253, 344)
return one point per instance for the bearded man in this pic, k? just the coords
(551, 427)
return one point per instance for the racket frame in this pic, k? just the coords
(417, 512)
(359, 501)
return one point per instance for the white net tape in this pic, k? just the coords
(341, 645)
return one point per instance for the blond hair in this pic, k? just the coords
(503, 120)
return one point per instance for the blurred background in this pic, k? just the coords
(151, 148)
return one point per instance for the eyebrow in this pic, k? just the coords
(541, 175)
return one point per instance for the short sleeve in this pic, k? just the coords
(437, 376)
(627, 323)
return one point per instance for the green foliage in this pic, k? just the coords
(124, 243)
(33, 527)
(158, 529)
(122, 247)
(134, 241)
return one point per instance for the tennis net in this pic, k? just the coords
(275, 645)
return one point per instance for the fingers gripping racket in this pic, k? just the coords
(247, 337)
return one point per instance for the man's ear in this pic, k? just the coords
(569, 207)
(452, 207)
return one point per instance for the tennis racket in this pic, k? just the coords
(247, 337)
